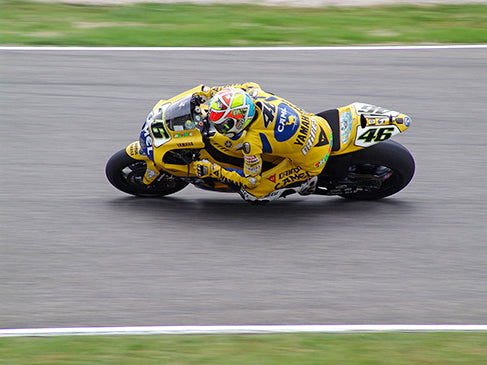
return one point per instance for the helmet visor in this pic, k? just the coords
(225, 126)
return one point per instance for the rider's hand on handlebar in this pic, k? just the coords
(202, 168)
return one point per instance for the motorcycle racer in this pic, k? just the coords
(266, 125)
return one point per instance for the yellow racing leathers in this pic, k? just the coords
(301, 141)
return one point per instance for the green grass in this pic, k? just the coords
(350, 349)
(162, 25)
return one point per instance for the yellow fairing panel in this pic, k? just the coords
(362, 125)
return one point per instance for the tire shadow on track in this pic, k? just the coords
(235, 210)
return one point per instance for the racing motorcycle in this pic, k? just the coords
(364, 164)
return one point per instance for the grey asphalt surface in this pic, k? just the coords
(76, 252)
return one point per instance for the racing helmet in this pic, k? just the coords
(231, 110)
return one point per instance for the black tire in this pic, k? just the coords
(126, 174)
(389, 160)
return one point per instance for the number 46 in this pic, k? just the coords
(376, 134)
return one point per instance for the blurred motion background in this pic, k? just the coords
(76, 252)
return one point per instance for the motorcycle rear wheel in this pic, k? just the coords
(126, 174)
(388, 162)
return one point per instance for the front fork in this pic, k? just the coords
(152, 172)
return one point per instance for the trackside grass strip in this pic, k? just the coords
(357, 349)
(164, 25)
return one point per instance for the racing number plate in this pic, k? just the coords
(374, 134)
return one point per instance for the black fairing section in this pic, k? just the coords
(337, 166)
(333, 118)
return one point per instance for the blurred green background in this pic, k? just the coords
(164, 25)
(311, 349)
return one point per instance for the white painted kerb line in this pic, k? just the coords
(229, 330)
(239, 49)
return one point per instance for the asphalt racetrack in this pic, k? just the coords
(76, 252)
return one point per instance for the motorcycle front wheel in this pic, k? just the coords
(126, 174)
(389, 164)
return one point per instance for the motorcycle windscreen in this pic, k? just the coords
(179, 115)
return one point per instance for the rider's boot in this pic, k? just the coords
(309, 186)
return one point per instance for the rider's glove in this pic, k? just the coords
(205, 168)
(202, 168)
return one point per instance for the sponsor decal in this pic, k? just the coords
(293, 171)
(311, 137)
(150, 149)
(133, 149)
(321, 162)
(254, 169)
(374, 110)
(185, 134)
(322, 140)
(287, 123)
(303, 131)
(407, 121)
(294, 175)
(185, 144)
(307, 135)
(228, 144)
(251, 159)
(272, 178)
(345, 126)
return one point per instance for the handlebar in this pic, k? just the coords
(204, 124)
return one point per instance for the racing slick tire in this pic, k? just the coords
(388, 162)
(126, 174)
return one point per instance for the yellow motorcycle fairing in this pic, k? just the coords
(361, 125)
(171, 146)
(152, 172)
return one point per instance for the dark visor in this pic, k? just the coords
(224, 127)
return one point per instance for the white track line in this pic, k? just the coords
(228, 330)
(257, 329)
(237, 49)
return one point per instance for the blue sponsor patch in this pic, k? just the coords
(145, 142)
(287, 123)
(407, 121)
